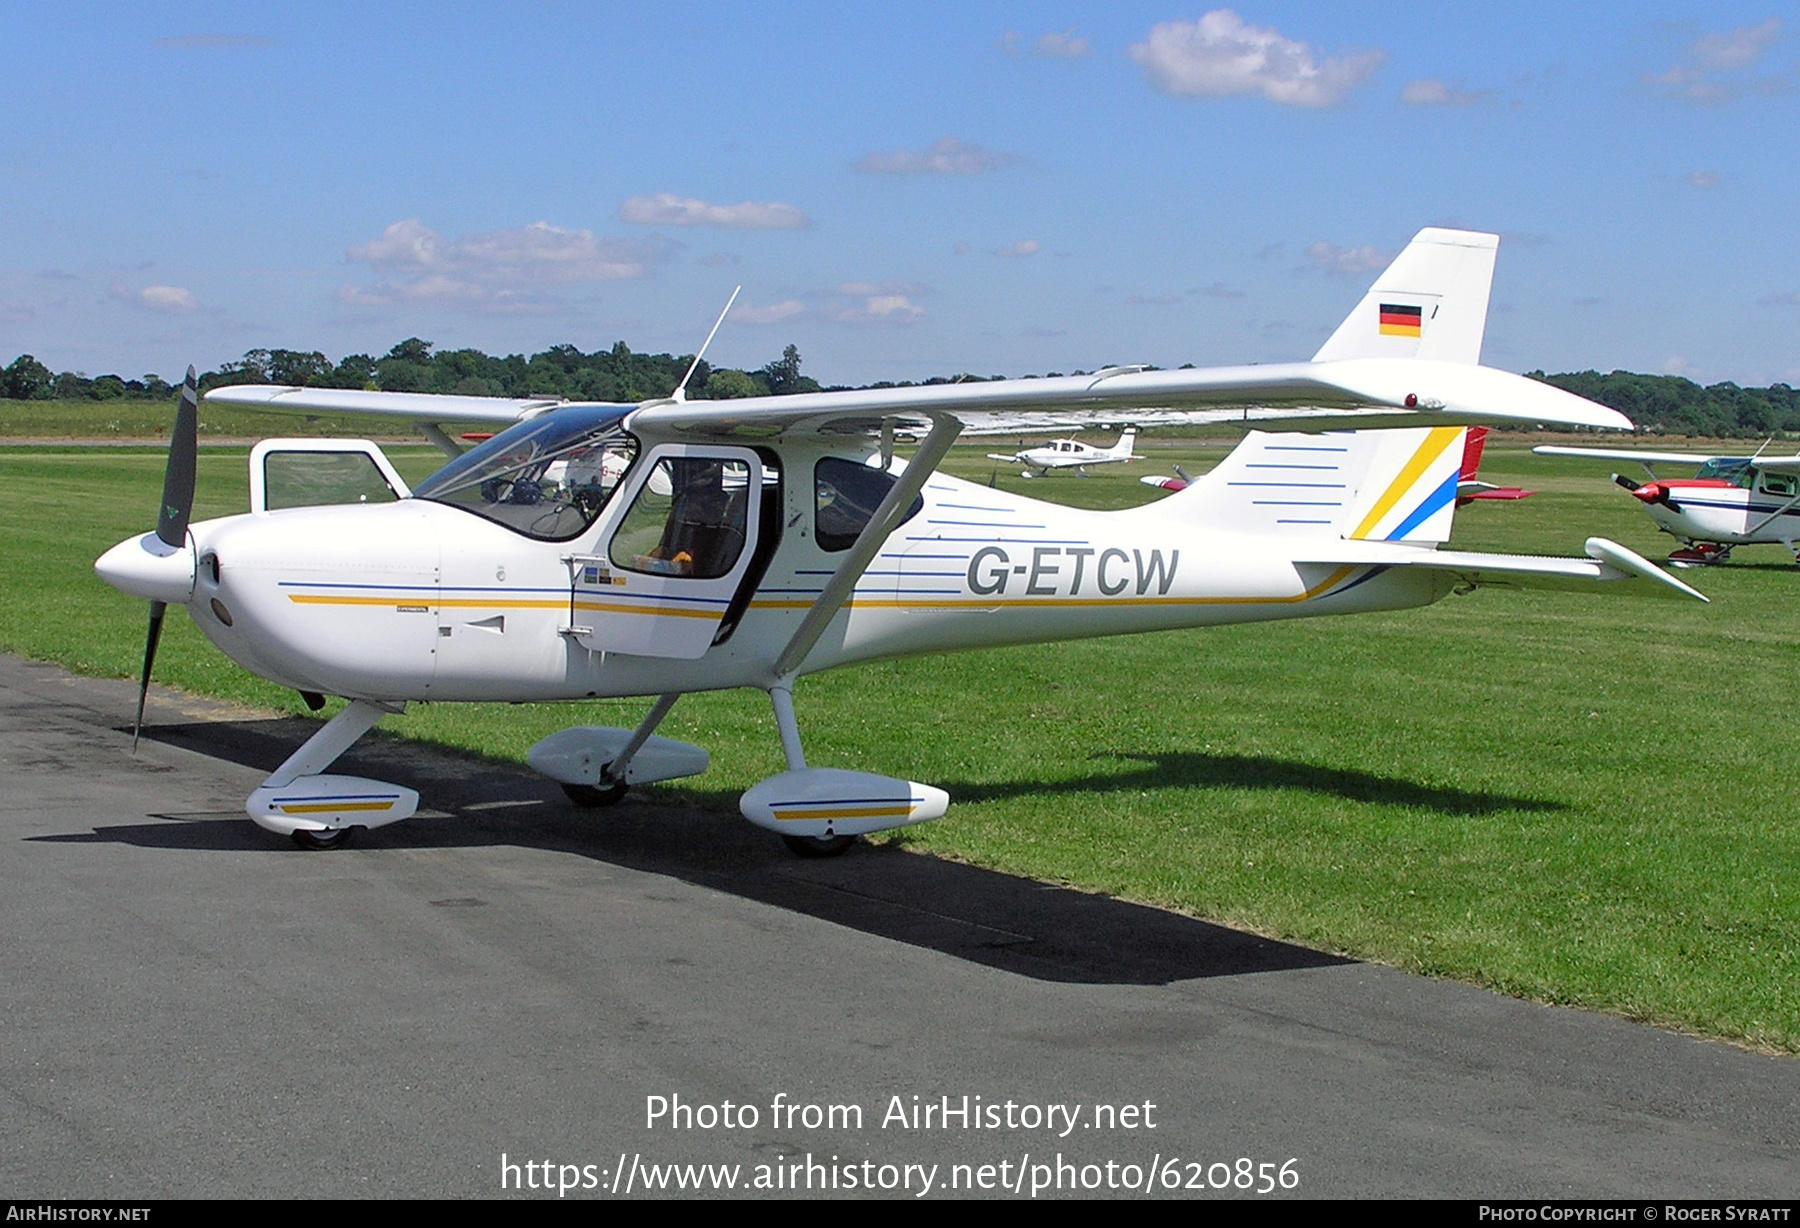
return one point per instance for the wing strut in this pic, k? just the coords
(944, 430)
(441, 438)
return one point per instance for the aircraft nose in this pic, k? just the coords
(150, 568)
(1651, 492)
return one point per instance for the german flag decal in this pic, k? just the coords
(1400, 321)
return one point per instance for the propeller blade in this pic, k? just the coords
(172, 521)
(1620, 479)
(178, 478)
(157, 609)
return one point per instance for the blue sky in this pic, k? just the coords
(902, 190)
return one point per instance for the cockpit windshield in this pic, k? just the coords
(1726, 469)
(548, 478)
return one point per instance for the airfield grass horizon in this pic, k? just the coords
(1569, 798)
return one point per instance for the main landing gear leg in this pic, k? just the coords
(789, 728)
(317, 811)
(611, 787)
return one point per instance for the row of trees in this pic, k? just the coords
(414, 365)
(1665, 403)
(1677, 406)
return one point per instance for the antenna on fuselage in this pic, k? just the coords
(680, 393)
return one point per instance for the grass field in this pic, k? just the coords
(1571, 798)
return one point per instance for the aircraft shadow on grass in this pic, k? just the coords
(998, 920)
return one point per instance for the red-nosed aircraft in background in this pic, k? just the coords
(1730, 501)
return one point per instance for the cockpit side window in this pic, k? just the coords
(689, 519)
(845, 496)
(548, 478)
(1782, 484)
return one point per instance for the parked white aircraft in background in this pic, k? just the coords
(748, 543)
(1069, 454)
(1730, 500)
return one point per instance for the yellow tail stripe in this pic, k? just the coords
(1440, 438)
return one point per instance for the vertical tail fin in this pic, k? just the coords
(1431, 302)
(1396, 485)
(1122, 449)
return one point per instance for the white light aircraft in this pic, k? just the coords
(1730, 501)
(603, 550)
(1069, 454)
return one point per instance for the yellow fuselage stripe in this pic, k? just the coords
(873, 603)
(322, 807)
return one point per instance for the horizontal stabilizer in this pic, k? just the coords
(1607, 563)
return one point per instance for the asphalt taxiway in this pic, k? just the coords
(192, 1007)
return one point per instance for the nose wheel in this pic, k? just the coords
(594, 796)
(818, 846)
(319, 841)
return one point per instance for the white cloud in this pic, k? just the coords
(1024, 247)
(170, 300)
(887, 304)
(404, 244)
(1675, 364)
(667, 209)
(774, 313)
(1220, 56)
(1062, 46)
(948, 156)
(1737, 48)
(881, 309)
(1334, 259)
(486, 270)
(1712, 71)
(215, 42)
(856, 288)
(1702, 179)
(1430, 92)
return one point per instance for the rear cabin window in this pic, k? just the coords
(315, 479)
(845, 496)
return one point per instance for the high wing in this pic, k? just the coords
(1351, 393)
(1630, 454)
(413, 406)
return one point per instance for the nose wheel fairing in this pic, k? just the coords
(298, 799)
